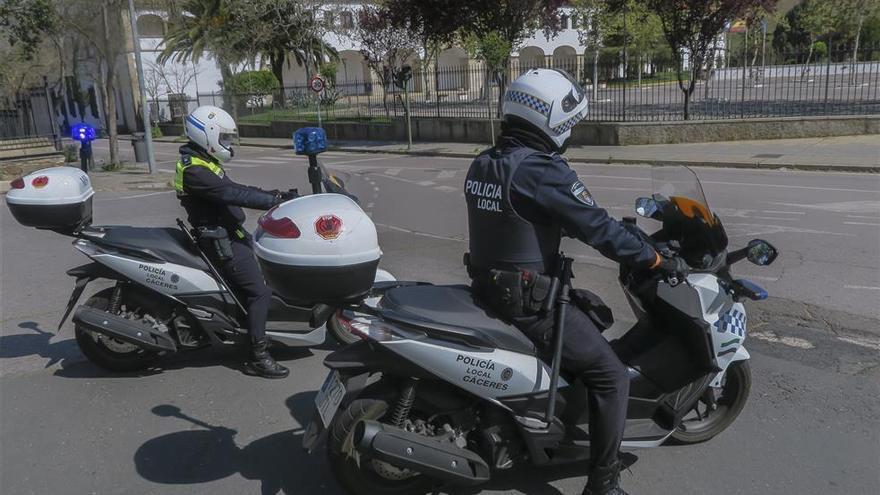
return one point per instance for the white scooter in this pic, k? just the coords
(442, 392)
(317, 253)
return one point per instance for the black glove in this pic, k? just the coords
(281, 197)
(673, 268)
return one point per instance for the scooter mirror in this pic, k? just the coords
(761, 252)
(648, 208)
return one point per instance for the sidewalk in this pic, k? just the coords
(843, 153)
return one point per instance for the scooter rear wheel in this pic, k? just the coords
(108, 353)
(705, 423)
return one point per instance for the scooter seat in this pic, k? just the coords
(450, 312)
(159, 244)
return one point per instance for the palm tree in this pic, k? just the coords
(202, 26)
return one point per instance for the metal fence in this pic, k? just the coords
(631, 89)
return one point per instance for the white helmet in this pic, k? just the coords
(549, 99)
(214, 130)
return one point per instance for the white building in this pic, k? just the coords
(561, 50)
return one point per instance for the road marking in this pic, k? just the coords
(446, 174)
(775, 218)
(862, 223)
(423, 234)
(446, 189)
(270, 159)
(869, 217)
(863, 342)
(785, 340)
(622, 177)
(847, 207)
(135, 196)
(861, 287)
(374, 159)
(781, 186)
(784, 212)
(425, 183)
(392, 171)
(761, 277)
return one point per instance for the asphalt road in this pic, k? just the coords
(811, 425)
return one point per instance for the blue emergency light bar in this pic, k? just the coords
(83, 133)
(309, 141)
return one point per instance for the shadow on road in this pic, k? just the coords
(37, 343)
(205, 453)
(231, 357)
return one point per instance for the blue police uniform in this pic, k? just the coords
(212, 199)
(520, 202)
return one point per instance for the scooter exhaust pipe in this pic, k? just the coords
(122, 329)
(426, 455)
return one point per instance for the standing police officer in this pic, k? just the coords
(213, 204)
(522, 197)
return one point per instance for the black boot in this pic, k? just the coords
(604, 481)
(262, 363)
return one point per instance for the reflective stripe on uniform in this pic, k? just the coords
(190, 161)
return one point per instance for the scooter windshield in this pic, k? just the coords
(687, 217)
(680, 186)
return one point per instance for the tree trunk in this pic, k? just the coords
(640, 71)
(62, 74)
(807, 61)
(229, 97)
(109, 90)
(855, 57)
(276, 61)
(596, 75)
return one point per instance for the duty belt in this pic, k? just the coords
(512, 292)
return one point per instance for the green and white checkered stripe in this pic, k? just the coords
(528, 100)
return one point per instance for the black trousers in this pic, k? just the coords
(243, 275)
(585, 352)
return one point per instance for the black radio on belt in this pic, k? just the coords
(215, 242)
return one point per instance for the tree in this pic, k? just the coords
(25, 24)
(851, 16)
(99, 25)
(691, 27)
(385, 47)
(511, 21)
(814, 19)
(435, 24)
(280, 30)
(201, 26)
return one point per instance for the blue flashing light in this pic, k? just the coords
(83, 133)
(309, 141)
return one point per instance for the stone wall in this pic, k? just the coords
(585, 133)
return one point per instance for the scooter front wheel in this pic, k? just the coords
(106, 352)
(706, 421)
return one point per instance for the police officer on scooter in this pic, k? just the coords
(213, 203)
(522, 197)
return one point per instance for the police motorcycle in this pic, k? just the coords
(317, 252)
(440, 392)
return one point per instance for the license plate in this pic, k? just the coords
(329, 397)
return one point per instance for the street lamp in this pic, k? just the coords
(85, 134)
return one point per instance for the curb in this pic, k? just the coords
(624, 161)
(4, 186)
(607, 160)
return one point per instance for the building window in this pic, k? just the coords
(329, 19)
(563, 21)
(150, 26)
(574, 20)
(347, 20)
